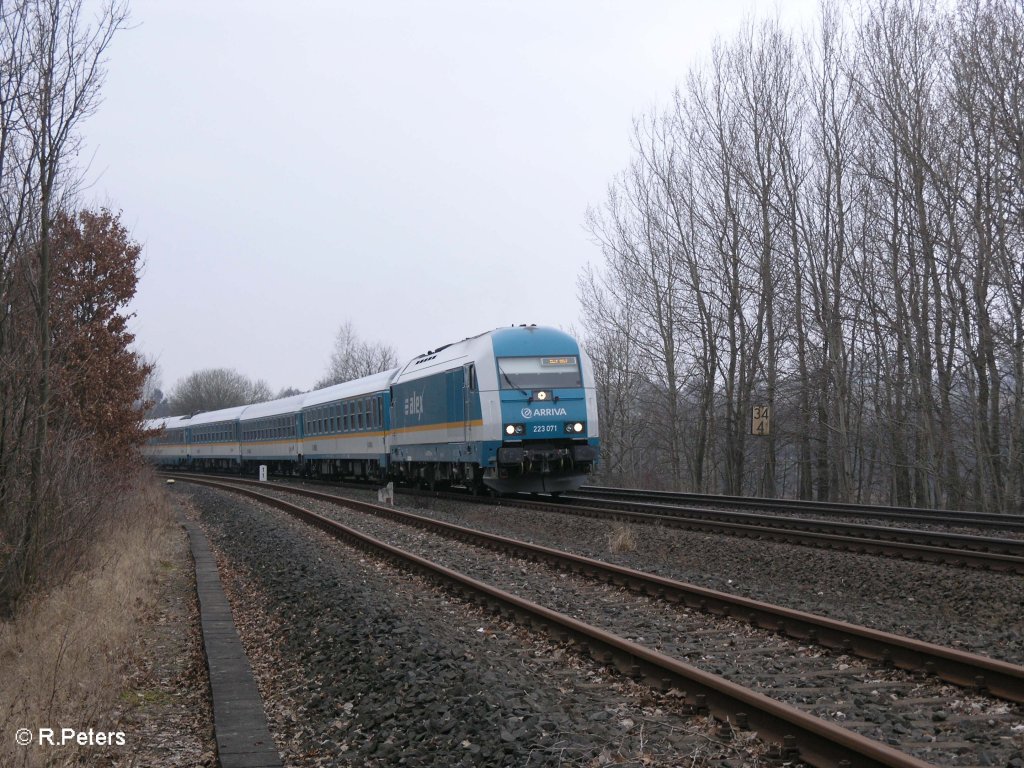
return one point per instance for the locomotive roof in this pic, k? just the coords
(527, 340)
(515, 341)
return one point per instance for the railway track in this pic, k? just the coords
(965, 550)
(979, 520)
(817, 741)
(919, 545)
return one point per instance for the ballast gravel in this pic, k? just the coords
(360, 663)
(965, 608)
(936, 722)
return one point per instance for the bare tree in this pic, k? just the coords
(353, 358)
(835, 230)
(51, 71)
(215, 388)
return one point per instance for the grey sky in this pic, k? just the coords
(421, 168)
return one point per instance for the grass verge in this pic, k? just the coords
(66, 656)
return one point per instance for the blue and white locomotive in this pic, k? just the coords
(512, 410)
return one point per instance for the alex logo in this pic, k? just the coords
(414, 405)
(531, 412)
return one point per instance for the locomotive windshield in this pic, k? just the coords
(539, 372)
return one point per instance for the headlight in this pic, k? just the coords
(542, 395)
(575, 427)
(515, 429)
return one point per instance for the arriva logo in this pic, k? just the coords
(530, 412)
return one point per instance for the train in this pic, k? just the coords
(510, 410)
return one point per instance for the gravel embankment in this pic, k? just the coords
(935, 722)
(362, 664)
(958, 607)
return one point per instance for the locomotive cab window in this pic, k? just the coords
(539, 372)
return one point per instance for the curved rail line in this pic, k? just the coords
(813, 740)
(962, 550)
(968, 670)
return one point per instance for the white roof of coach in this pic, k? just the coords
(167, 422)
(212, 417)
(364, 386)
(279, 407)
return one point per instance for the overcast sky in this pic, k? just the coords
(420, 168)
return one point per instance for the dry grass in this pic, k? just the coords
(65, 655)
(621, 539)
